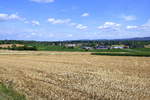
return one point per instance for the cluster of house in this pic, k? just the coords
(147, 46)
(105, 47)
(98, 47)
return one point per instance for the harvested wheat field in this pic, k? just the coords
(75, 76)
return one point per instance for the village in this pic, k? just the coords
(98, 47)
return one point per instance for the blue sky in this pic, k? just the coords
(50, 20)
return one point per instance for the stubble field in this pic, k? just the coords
(75, 76)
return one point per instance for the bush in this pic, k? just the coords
(24, 48)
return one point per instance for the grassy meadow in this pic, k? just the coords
(7, 93)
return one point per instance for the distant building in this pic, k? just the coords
(119, 47)
(102, 47)
(70, 45)
(87, 48)
(126, 47)
(147, 46)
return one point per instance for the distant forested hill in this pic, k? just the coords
(138, 39)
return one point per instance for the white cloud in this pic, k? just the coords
(33, 33)
(26, 22)
(58, 21)
(78, 26)
(131, 27)
(34, 22)
(6, 17)
(81, 27)
(144, 27)
(70, 35)
(14, 16)
(129, 18)
(73, 24)
(147, 23)
(51, 35)
(68, 22)
(85, 14)
(108, 25)
(43, 1)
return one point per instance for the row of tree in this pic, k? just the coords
(14, 47)
(34, 44)
(24, 47)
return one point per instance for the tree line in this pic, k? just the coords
(34, 44)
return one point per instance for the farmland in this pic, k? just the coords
(45, 75)
(138, 52)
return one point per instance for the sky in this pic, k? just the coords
(58, 20)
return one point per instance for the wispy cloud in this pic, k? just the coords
(108, 25)
(85, 15)
(147, 23)
(144, 27)
(34, 22)
(131, 27)
(81, 27)
(129, 17)
(16, 17)
(70, 35)
(68, 22)
(7, 17)
(43, 1)
(58, 21)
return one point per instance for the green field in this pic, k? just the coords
(145, 52)
(7, 93)
(141, 52)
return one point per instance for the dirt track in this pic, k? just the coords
(76, 76)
